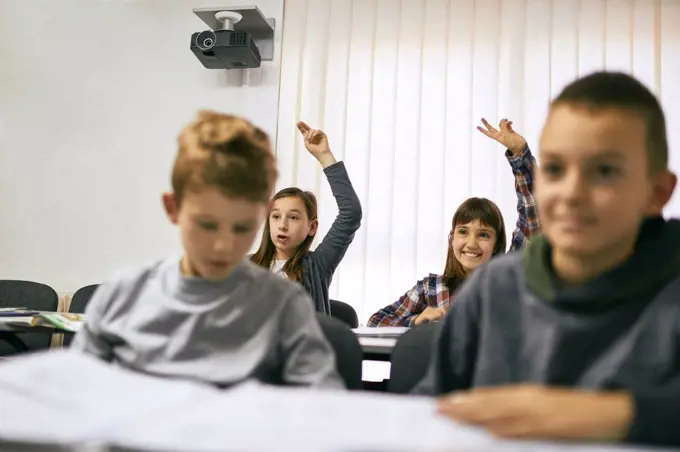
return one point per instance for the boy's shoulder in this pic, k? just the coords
(131, 277)
(268, 282)
(506, 266)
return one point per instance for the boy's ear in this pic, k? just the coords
(662, 191)
(313, 227)
(170, 206)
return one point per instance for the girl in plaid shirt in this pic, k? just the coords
(477, 234)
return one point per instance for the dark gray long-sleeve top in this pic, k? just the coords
(319, 265)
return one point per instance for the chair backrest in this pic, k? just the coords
(411, 357)
(80, 299)
(79, 302)
(31, 295)
(348, 353)
(346, 313)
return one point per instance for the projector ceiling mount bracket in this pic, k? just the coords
(242, 18)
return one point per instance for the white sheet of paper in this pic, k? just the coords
(69, 399)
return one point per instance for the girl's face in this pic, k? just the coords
(289, 225)
(473, 244)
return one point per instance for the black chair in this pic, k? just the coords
(81, 298)
(411, 357)
(348, 353)
(346, 313)
(79, 302)
(31, 295)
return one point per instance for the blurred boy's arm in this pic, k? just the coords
(91, 339)
(308, 358)
(656, 415)
(538, 412)
(454, 354)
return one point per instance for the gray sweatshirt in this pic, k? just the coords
(513, 323)
(253, 324)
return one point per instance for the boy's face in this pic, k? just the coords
(217, 231)
(593, 188)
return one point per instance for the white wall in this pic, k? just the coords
(92, 97)
(400, 86)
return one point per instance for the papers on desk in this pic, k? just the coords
(386, 331)
(58, 320)
(17, 312)
(67, 399)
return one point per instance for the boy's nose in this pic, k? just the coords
(573, 188)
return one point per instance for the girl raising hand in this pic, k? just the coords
(293, 223)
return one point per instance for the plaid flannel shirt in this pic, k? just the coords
(432, 290)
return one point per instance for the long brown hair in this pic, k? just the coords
(266, 253)
(488, 213)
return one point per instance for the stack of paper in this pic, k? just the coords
(65, 399)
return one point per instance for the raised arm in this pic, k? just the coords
(334, 245)
(522, 163)
(528, 223)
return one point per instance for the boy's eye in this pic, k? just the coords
(293, 217)
(551, 169)
(607, 171)
(209, 225)
(242, 229)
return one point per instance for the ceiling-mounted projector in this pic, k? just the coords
(239, 38)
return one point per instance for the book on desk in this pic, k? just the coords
(62, 321)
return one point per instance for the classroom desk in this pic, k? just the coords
(71, 401)
(9, 326)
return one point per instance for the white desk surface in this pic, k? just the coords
(378, 345)
(71, 399)
(379, 341)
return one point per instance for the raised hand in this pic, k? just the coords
(316, 143)
(505, 135)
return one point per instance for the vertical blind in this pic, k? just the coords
(399, 86)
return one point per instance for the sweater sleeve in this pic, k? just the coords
(308, 358)
(528, 224)
(657, 411)
(334, 245)
(454, 354)
(91, 338)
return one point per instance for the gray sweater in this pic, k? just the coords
(512, 323)
(319, 265)
(253, 324)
